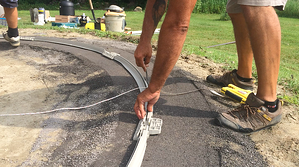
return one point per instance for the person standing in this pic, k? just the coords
(11, 15)
(258, 35)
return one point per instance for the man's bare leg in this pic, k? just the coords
(242, 76)
(244, 50)
(11, 15)
(12, 35)
(265, 35)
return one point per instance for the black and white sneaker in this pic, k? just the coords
(14, 41)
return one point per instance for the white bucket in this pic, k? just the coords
(1, 12)
(41, 20)
(115, 23)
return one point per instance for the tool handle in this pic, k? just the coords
(146, 79)
(94, 18)
(233, 96)
(90, 3)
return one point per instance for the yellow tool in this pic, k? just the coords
(237, 94)
(93, 26)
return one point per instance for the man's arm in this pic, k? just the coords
(171, 39)
(153, 14)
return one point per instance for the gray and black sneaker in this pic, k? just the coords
(14, 41)
(250, 117)
(230, 78)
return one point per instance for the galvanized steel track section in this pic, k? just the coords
(138, 154)
(141, 82)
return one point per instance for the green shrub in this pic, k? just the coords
(23, 5)
(197, 8)
(210, 6)
(224, 17)
(219, 7)
(291, 9)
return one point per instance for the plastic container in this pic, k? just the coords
(83, 20)
(42, 12)
(66, 8)
(114, 8)
(41, 20)
(115, 21)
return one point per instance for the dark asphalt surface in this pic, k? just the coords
(190, 136)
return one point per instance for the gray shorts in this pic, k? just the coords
(9, 3)
(233, 6)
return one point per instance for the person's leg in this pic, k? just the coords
(242, 77)
(244, 50)
(265, 35)
(12, 35)
(11, 15)
(263, 109)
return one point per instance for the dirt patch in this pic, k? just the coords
(37, 79)
(279, 144)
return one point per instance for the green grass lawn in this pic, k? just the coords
(206, 30)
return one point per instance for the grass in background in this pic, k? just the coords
(288, 75)
(205, 30)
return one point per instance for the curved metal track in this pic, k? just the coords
(140, 135)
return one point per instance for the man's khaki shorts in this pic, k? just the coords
(9, 3)
(233, 6)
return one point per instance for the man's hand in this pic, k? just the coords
(143, 54)
(145, 96)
